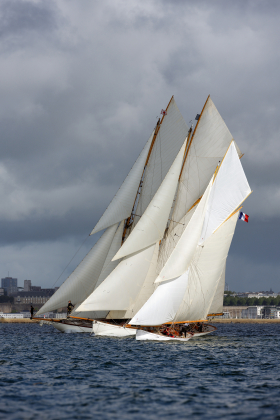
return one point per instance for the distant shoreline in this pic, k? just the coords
(19, 321)
(213, 321)
(244, 321)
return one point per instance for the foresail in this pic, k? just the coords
(217, 305)
(83, 279)
(208, 146)
(108, 267)
(122, 286)
(182, 254)
(151, 227)
(162, 306)
(170, 138)
(205, 272)
(229, 190)
(121, 206)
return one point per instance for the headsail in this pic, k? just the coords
(188, 297)
(229, 191)
(83, 279)
(151, 227)
(122, 286)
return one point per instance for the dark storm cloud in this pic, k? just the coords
(81, 86)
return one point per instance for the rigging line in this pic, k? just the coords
(71, 260)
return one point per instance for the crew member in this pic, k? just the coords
(31, 311)
(70, 306)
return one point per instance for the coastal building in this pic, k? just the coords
(27, 286)
(252, 312)
(33, 297)
(9, 285)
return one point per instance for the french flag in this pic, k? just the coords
(244, 217)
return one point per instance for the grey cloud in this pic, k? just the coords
(81, 87)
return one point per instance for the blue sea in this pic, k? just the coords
(231, 374)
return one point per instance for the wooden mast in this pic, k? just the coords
(130, 219)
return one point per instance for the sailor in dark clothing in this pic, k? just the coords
(70, 306)
(31, 311)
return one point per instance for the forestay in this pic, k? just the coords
(82, 281)
(151, 227)
(121, 206)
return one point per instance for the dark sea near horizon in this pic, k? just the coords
(231, 374)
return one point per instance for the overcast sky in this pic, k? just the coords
(81, 86)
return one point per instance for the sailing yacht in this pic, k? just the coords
(152, 249)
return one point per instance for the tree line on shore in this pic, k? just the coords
(243, 301)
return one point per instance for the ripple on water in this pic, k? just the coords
(233, 373)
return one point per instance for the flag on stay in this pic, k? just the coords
(163, 112)
(244, 217)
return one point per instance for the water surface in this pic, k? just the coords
(233, 373)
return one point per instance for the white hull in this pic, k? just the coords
(110, 330)
(147, 336)
(66, 328)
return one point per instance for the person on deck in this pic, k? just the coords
(31, 311)
(70, 307)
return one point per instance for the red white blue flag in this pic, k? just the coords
(244, 217)
(163, 112)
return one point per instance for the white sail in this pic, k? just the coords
(121, 206)
(170, 138)
(188, 297)
(148, 286)
(108, 267)
(170, 240)
(217, 304)
(82, 281)
(145, 291)
(181, 256)
(230, 189)
(205, 272)
(122, 286)
(209, 144)
(151, 227)
(162, 306)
